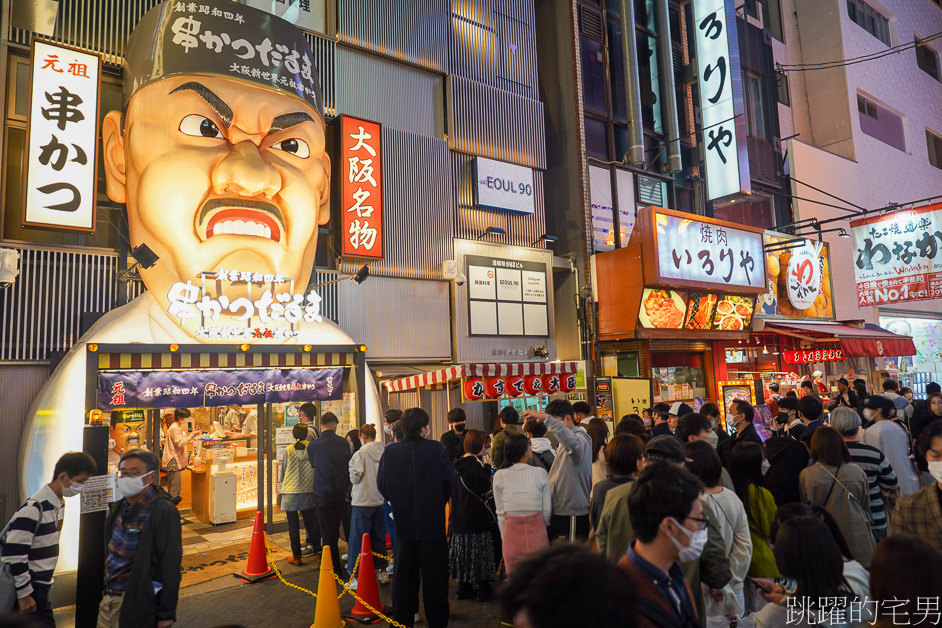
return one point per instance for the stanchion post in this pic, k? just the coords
(91, 556)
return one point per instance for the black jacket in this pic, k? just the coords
(330, 457)
(469, 515)
(661, 428)
(158, 559)
(453, 443)
(417, 477)
(723, 448)
(787, 458)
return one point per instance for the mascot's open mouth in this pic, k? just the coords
(242, 217)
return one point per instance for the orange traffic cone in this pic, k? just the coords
(257, 568)
(327, 607)
(367, 589)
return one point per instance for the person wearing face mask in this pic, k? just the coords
(330, 457)
(392, 416)
(667, 517)
(306, 415)
(890, 438)
(712, 412)
(786, 455)
(143, 549)
(30, 541)
(739, 414)
(454, 437)
(417, 477)
(787, 421)
(924, 412)
(920, 514)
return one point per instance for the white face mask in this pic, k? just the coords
(869, 413)
(73, 489)
(935, 470)
(712, 439)
(387, 429)
(129, 487)
(765, 466)
(697, 541)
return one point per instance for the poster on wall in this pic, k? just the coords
(62, 138)
(632, 395)
(898, 255)
(507, 297)
(925, 332)
(799, 281)
(733, 313)
(700, 310)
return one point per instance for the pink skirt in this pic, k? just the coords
(523, 537)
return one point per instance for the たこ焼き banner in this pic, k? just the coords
(190, 389)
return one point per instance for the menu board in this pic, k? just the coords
(733, 314)
(507, 297)
(662, 309)
(700, 311)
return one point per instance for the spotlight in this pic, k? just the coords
(489, 230)
(545, 238)
(144, 256)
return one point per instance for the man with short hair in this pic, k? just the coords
(845, 396)
(890, 438)
(667, 517)
(880, 474)
(787, 419)
(809, 389)
(330, 457)
(307, 414)
(233, 419)
(391, 417)
(453, 439)
(144, 549)
(509, 419)
(661, 414)
(677, 410)
(904, 409)
(811, 412)
(693, 426)
(739, 414)
(416, 476)
(920, 514)
(582, 412)
(571, 474)
(31, 539)
(772, 398)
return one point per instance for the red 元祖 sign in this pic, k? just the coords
(810, 356)
(361, 197)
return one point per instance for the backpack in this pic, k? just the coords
(545, 459)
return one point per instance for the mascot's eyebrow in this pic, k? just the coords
(288, 120)
(223, 110)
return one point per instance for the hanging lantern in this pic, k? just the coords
(473, 388)
(532, 384)
(494, 387)
(551, 384)
(567, 382)
(513, 385)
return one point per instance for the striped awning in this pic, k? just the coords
(447, 374)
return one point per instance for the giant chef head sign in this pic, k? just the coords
(220, 157)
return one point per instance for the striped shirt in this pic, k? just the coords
(880, 474)
(31, 543)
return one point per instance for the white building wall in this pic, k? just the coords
(870, 173)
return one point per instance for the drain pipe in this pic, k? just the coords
(629, 57)
(665, 64)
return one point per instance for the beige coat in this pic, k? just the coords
(848, 504)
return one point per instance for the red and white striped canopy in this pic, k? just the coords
(442, 376)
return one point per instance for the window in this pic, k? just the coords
(751, 8)
(755, 107)
(866, 107)
(934, 144)
(881, 123)
(869, 19)
(593, 75)
(927, 59)
(772, 18)
(781, 82)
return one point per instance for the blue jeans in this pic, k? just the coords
(366, 519)
(390, 524)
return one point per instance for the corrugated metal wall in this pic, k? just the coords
(42, 311)
(415, 31)
(18, 387)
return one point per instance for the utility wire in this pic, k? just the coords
(829, 65)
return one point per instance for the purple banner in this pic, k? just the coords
(191, 389)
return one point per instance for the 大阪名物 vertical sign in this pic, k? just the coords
(361, 198)
(62, 138)
(722, 108)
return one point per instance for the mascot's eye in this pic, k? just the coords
(200, 126)
(294, 146)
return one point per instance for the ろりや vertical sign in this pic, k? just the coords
(361, 198)
(63, 134)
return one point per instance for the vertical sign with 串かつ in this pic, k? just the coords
(722, 108)
(63, 134)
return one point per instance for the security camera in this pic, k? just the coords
(452, 270)
(460, 279)
(9, 267)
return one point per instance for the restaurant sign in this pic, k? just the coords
(898, 256)
(501, 185)
(63, 135)
(361, 171)
(193, 389)
(812, 356)
(798, 279)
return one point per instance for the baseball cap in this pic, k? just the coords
(680, 408)
(842, 380)
(665, 447)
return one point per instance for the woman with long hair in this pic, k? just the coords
(704, 462)
(524, 502)
(745, 470)
(807, 554)
(598, 432)
(624, 456)
(841, 488)
(471, 553)
(297, 493)
(353, 439)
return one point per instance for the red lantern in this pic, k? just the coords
(551, 384)
(473, 388)
(567, 382)
(513, 385)
(532, 384)
(494, 387)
